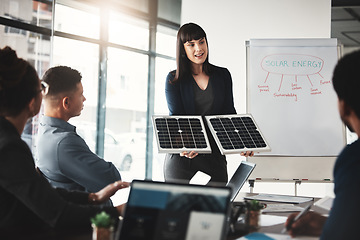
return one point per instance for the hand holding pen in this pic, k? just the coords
(289, 222)
(305, 223)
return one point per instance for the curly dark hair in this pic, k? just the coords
(19, 82)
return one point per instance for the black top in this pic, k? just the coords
(27, 201)
(203, 99)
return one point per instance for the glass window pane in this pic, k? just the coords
(166, 41)
(140, 5)
(33, 12)
(162, 68)
(35, 48)
(170, 10)
(126, 104)
(86, 61)
(75, 21)
(128, 31)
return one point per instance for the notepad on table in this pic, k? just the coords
(286, 207)
(279, 198)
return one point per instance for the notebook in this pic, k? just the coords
(240, 176)
(175, 211)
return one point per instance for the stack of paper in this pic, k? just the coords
(279, 198)
(281, 208)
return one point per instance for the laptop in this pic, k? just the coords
(240, 176)
(175, 211)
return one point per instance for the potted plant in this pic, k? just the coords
(103, 226)
(253, 213)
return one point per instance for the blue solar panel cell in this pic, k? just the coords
(180, 133)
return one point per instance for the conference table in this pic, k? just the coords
(275, 228)
(239, 232)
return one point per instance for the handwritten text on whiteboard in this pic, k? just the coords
(300, 68)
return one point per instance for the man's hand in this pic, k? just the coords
(104, 194)
(310, 224)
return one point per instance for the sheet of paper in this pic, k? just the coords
(200, 178)
(121, 196)
(279, 198)
(269, 220)
(281, 208)
(325, 203)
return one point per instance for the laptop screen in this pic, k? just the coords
(240, 176)
(174, 211)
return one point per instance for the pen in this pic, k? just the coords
(305, 210)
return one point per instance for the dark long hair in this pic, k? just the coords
(188, 32)
(19, 83)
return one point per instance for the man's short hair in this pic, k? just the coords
(346, 80)
(61, 79)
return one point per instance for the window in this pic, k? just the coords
(170, 10)
(128, 31)
(139, 5)
(166, 41)
(126, 102)
(163, 67)
(82, 22)
(107, 41)
(37, 13)
(35, 48)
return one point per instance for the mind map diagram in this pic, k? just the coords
(291, 75)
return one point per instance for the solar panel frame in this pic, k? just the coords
(175, 140)
(236, 133)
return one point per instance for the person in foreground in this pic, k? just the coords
(29, 205)
(197, 87)
(343, 219)
(63, 156)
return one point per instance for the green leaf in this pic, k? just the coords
(102, 220)
(255, 205)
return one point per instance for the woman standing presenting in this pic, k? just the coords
(197, 87)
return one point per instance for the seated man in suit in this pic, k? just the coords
(63, 156)
(342, 222)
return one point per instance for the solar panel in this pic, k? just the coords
(236, 133)
(176, 134)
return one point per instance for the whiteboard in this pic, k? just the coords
(291, 97)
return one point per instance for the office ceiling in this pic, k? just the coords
(345, 22)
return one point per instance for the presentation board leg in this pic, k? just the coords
(296, 184)
(251, 185)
